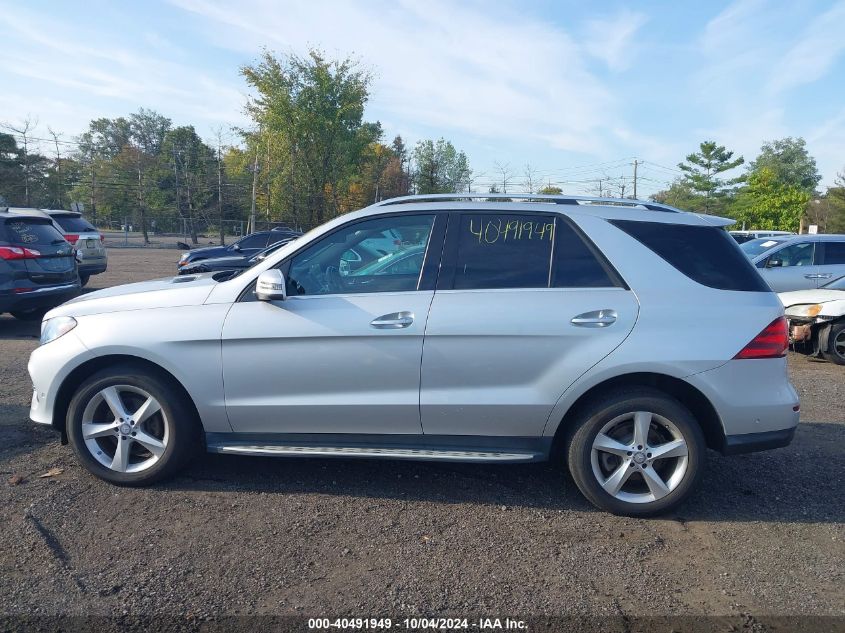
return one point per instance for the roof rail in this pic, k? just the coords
(530, 197)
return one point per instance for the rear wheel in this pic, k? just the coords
(636, 452)
(835, 351)
(34, 314)
(131, 427)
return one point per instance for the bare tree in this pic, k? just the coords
(24, 131)
(530, 181)
(506, 174)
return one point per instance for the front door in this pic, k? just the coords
(791, 268)
(342, 353)
(511, 327)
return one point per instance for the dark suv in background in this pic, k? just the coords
(247, 246)
(38, 268)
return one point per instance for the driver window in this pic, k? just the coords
(379, 255)
(795, 255)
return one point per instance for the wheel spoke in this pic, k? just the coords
(675, 448)
(607, 444)
(655, 484)
(150, 407)
(152, 444)
(94, 429)
(120, 462)
(112, 397)
(618, 477)
(642, 422)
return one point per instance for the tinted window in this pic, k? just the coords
(834, 253)
(31, 231)
(257, 240)
(74, 224)
(574, 265)
(503, 251)
(795, 255)
(342, 262)
(705, 254)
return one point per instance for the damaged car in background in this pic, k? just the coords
(817, 320)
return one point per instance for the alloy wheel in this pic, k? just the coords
(639, 457)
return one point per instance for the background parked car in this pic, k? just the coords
(817, 320)
(248, 245)
(797, 262)
(80, 233)
(37, 266)
(746, 236)
(232, 262)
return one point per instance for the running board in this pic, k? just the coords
(427, 454)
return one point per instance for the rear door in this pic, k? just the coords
(831, 261)
(52, 260)
(524, 306)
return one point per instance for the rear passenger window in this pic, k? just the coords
(504, 251)
(574, 265)
(705, 254)
(834, 253)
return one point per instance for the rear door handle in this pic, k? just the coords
(818, 276)
(596, 318)
(393, 321)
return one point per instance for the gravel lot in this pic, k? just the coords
(763, 535)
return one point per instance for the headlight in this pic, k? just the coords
(184, 257)
(51, 329)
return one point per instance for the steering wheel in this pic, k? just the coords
(333, 280)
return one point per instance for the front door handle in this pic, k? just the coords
(815, 276)
(596, 318)
(393, 321)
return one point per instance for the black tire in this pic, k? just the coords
(831, 352)
(185, 437)
(590, 420)
(35, 314)
(83, 279)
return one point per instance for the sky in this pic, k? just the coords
(576, 90)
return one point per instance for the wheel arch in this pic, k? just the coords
(75, 378)
(693, 399)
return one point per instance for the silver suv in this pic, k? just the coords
(621, 337)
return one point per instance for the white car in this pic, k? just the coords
(620, 337)
(817, 320)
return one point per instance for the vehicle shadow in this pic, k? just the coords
(12, 328)
(797, 484)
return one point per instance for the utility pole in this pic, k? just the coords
(251, 227)
(93, 195)
(220, 189)
(636, 162)
(59, 187)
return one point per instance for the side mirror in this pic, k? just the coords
(78, 256)
(774, 263)
(236, 247)
(271, 286)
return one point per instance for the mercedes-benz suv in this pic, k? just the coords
(621, 337)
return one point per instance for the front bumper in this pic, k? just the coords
(48, 367)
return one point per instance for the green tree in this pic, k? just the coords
(702, 175)
(189, 175)
(679, 195)
(791, 163)
(551, 190)
(768, 203)
(835, 200)
(439, 167)
(316, 107)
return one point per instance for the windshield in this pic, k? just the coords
(836, 284)
(760, 245)
(262, 254)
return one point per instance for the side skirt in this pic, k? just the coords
(453, 448)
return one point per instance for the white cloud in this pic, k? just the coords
(819, 47)
(612, 39)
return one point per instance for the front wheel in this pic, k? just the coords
(83, 279)
(835, 351)
(131, 427)
(636, 452)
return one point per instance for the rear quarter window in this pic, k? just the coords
(705, 254)
(29, 232)
(74, 224)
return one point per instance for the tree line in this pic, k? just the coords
(778, 190)
(308, 155)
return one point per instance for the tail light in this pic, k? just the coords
(18, 252)
(102, 237)
(772, 342)
(73, 239)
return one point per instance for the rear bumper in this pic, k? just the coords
(753, 442)
(93, 268)
(43, 297)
